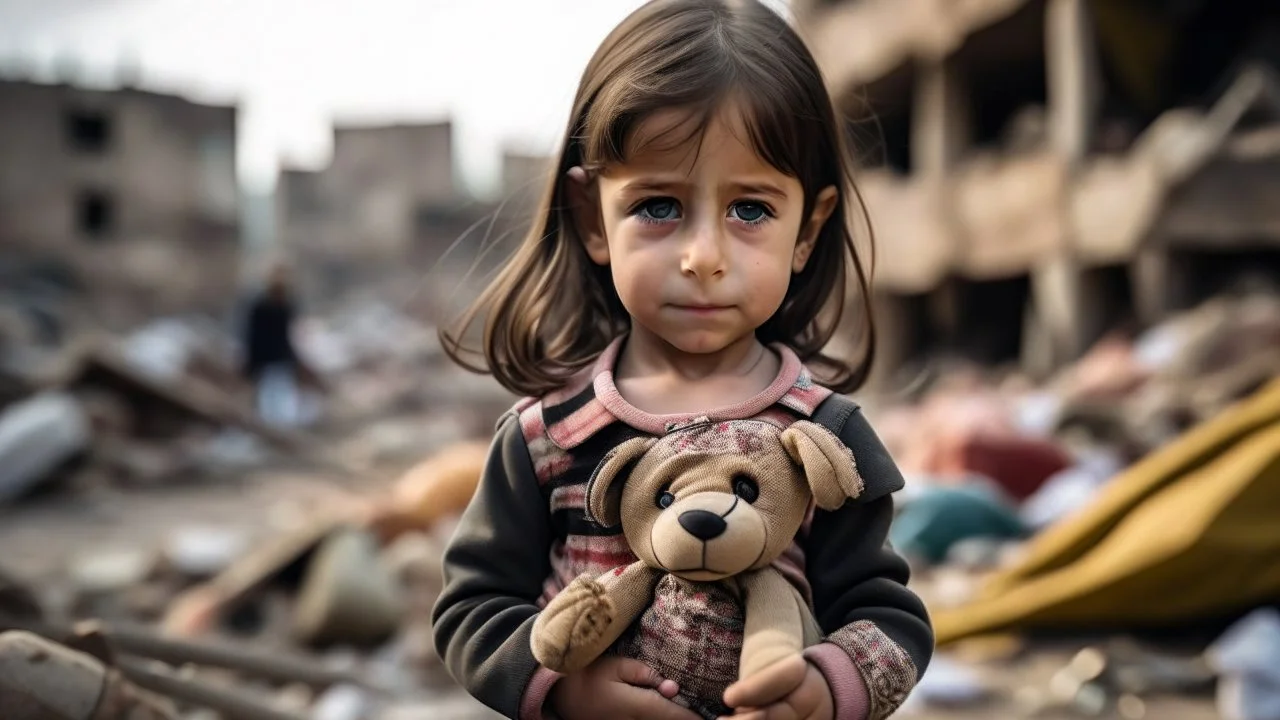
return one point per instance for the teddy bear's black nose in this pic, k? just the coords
(702, 524)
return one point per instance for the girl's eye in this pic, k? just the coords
(657, 210)
(746, 488)
(664, 499)
(751, 213)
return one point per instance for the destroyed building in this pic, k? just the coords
(106, 199)
(387, 200)
(1040, 170)
(524, 176)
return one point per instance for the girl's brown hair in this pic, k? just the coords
(551, 311)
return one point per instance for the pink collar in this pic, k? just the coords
(617, 405)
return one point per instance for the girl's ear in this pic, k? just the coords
(584, 206)
(822, 209)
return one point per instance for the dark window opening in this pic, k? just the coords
(95, 214)
(1109, 290)
(989, 319)
(878, 121)
(881, 142)
(89, 131)
(1213, 41)
(1238, 271)
(896, 132)
(1003, 66)
(1009, 109)
(1210, 43)
(905, 334)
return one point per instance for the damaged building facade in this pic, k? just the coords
(116, 206)
(1038, 171)
(387, 200)
(388, 209)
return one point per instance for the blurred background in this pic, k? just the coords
(231, 448)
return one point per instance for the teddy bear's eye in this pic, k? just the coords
(746, 488)
(665, 499)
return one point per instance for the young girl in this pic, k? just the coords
(690, 260)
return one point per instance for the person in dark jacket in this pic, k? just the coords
(271, 361)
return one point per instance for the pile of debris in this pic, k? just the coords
(93, 416)
(326, 613)
(328, 617)
(1051, 509)
(394, 394)
(165, 402)
(321, 612)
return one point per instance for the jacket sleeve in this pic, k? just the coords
(494, 568)
(879, 639)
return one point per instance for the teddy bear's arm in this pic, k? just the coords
(775, 621)
(589, 615)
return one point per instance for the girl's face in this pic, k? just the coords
(701, 240)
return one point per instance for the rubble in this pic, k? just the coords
(323, 611)
(320, 606)
(347, 596)
(36, 436)
(1248, 658)
(974, 525)
(42, 680)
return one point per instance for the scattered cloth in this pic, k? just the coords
(1188, 532)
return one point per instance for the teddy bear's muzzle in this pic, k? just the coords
(709, 535)
(703, 524)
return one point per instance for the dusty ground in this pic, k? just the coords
(39, 538)
(1019, 682)
(1024, 677)
(42, 537)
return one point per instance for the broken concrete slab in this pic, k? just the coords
(42, 680)
(37, 435)
(348, 596)
(164, 405)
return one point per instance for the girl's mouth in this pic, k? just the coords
(702, 309)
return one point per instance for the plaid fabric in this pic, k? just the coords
(692, 634)
(885, 667)
(578, 554)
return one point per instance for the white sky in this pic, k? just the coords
(504, 69)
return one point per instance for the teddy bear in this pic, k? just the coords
(707, 508)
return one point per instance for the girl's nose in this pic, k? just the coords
(704, 254)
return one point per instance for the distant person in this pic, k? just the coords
(271, 362)
(679, 273)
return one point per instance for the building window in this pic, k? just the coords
(219, 194)
(95, 214)
(88, 131)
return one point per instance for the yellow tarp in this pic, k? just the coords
(1191, 531)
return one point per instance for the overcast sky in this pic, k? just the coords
(504, 69)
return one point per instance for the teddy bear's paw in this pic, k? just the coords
(593, 610)
(756, 659)
(569, 631)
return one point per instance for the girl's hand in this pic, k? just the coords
(615, 687)
(790, 689)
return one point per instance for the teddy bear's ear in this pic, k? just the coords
(827, 463)
(604, 490)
